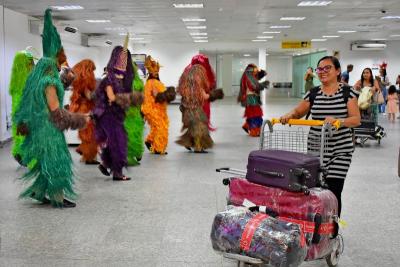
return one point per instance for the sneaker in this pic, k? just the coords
(68, 204)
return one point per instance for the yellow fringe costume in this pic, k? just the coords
(155, 113)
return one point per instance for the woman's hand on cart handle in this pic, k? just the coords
(333, 121)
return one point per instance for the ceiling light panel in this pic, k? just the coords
(199, 37)
(330, 36)
(318, 40)
(391, 17)
(67, 7)
(193, 20)
(196, 27)
(198, 33)
(200, 41)
(259, 40)
(293, 18)
(188, 5)
(344, 31)
(280, 27)
(265, 37)
(98, 20)
(313, 3)
(271, 32)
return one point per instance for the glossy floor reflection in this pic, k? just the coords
(163, 216)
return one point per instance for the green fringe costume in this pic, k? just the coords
(134, 125)
(52, 174)
(22, 66)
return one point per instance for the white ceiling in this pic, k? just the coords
(233, 21)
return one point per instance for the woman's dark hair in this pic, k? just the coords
(392, 89)
(310, 68)
(335, 63)
(371, 79)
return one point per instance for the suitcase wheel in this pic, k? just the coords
(333, 259)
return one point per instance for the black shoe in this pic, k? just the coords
(18, 158)
(200, 151)
(188, 148)
(159, 153)
(245, 129)
(46, 201)
(138, 159)
(103, 170)
(92, 162)
(68, 204)
(121, 178)
(148, 145)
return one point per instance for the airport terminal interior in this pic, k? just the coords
(151, 76)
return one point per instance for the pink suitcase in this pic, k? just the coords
(318, 210)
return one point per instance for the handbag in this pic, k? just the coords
(380, 99)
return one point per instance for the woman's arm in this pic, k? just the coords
(110, 94)
(376, 86)
(298, 112)
(354, 118)
(52, 98)
(306, 76)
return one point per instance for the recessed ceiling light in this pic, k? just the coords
(199, 37)
(98, 20)
(395, 35)
(200, 41)
(313, 3)
(259, 40)
(247, 55)
(265, 37)
(293, 18)
(271, 32)
(378, 39)
(318, 40)
(136, 38)
(198, 33)
(391, 17)
(280, 27)
(196, 27)
(188, 5)
(114, 29)
(67, 7)
(193, 20)
(330, 36)
(346, 31)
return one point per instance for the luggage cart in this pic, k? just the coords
(297, 139)
(369, 128)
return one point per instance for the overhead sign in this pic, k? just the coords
(296, 44)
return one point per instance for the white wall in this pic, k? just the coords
(279, 68)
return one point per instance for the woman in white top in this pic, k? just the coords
(367, 80)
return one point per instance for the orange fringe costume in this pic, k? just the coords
(155, 113)
(82, 102)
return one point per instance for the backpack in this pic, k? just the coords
(314, 92)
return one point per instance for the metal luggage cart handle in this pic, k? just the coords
(302, 122)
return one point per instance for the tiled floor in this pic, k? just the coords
(163, 216)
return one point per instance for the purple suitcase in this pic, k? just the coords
(288, 170)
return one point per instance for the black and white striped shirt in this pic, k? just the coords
(340, 146)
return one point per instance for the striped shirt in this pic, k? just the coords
(340, 146)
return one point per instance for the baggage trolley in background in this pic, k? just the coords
(369, 128)
(295, 139)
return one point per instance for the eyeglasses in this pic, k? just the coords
(325, 69)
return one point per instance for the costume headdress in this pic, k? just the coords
(51, 40)
(203, 60)
(152, 66)
(122, 60)
(383, 65)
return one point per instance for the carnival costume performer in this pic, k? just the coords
(154, 108)
(194, 87)
(249, 97)
(113, 97)
(82, 102)
(134, 124)
(42, 119)
(22, 66)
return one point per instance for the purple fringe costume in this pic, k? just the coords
(110, 131)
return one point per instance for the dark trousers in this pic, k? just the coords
(336, 186)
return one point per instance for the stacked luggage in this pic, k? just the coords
(279, 211)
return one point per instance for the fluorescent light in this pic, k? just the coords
(136, 38)
(198, 33)
(371, 45)
(378, 39)
(247, 55)
(330, 36)
(98, 20)
(200, 41)
(115, 29)
(395, 35)
(193, 20)
(259, 40)
(391, 17)
(314, 3)
(67, 7)
(271, 32)
(346, 31)
(122, 33)
(318, 40)
(196, 27)
(188, 5)
(293, 18)
(199, 37)
(265, 37)
(280, 27)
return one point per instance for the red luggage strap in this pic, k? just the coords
(305, 227)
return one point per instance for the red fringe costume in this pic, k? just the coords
(81, 102)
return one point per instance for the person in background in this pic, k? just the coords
(346, 74)
(398, 90)
(383, 81)
(392, 103)
(309, 78)
(333, 102)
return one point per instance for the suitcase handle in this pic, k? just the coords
(274, 174)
